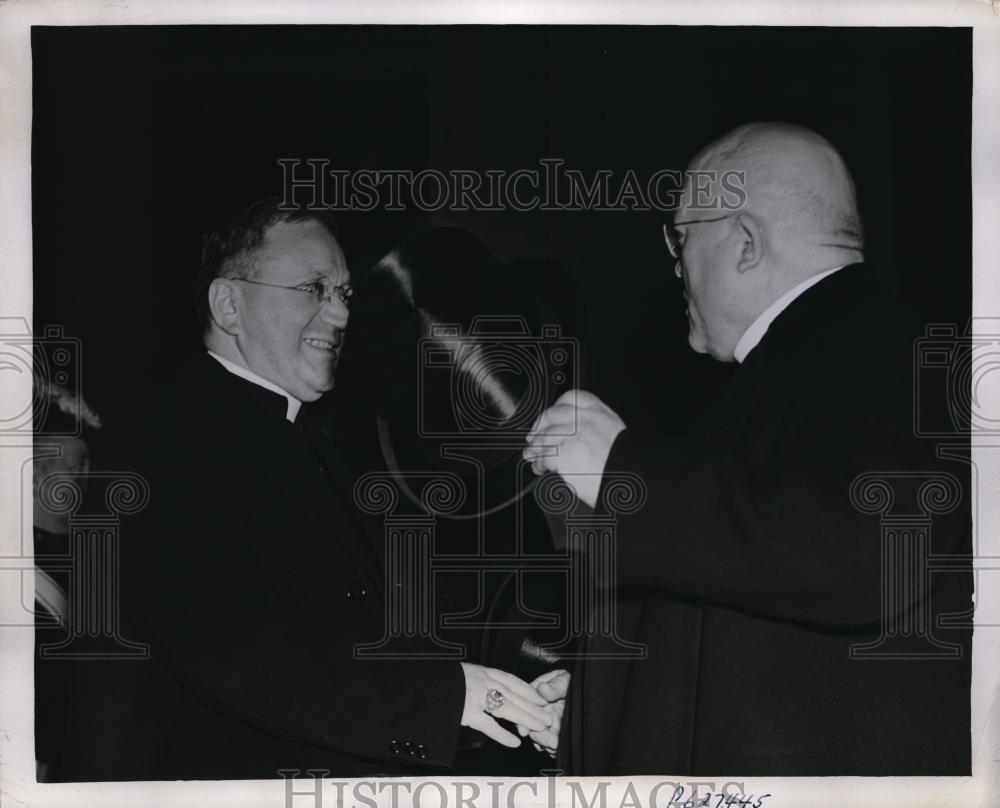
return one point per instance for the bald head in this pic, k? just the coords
(796, 182)
(798, 218)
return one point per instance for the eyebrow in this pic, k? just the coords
(345, 281)
(317, 276)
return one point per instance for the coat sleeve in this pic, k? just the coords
(772, 532)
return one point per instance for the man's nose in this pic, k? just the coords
(335, 312)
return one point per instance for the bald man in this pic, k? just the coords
(748, 575)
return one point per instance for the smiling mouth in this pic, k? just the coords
(321, 344)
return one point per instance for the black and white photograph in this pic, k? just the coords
(500, 409)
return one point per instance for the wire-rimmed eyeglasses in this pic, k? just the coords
(322, 291)
(673, 239)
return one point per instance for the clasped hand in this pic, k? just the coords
(552, 687)
(536, 709)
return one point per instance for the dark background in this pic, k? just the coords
(141, 134)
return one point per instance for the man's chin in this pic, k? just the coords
(316, 378)
(316, 390)
(319, 388)
(697, 343)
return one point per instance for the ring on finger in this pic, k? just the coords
(494, 700)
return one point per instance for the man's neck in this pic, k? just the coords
(238, 367)
(758, 328)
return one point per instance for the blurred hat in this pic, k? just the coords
(454, 355)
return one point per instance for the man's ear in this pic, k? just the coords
(223, 305)
(752, 242)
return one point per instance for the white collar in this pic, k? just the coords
(758, 328)
(250, 376)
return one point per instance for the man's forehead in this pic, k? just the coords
(293, 248)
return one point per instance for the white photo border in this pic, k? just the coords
(17, 767)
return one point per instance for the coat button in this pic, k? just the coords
(408, 748)
(394, 745)
(357, 593)
(422, 751)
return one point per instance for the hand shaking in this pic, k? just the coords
(553, 687)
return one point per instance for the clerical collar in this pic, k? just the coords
(250, 376)
(758, 328)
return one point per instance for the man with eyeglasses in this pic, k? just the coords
(784, 633)
(250, 574)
